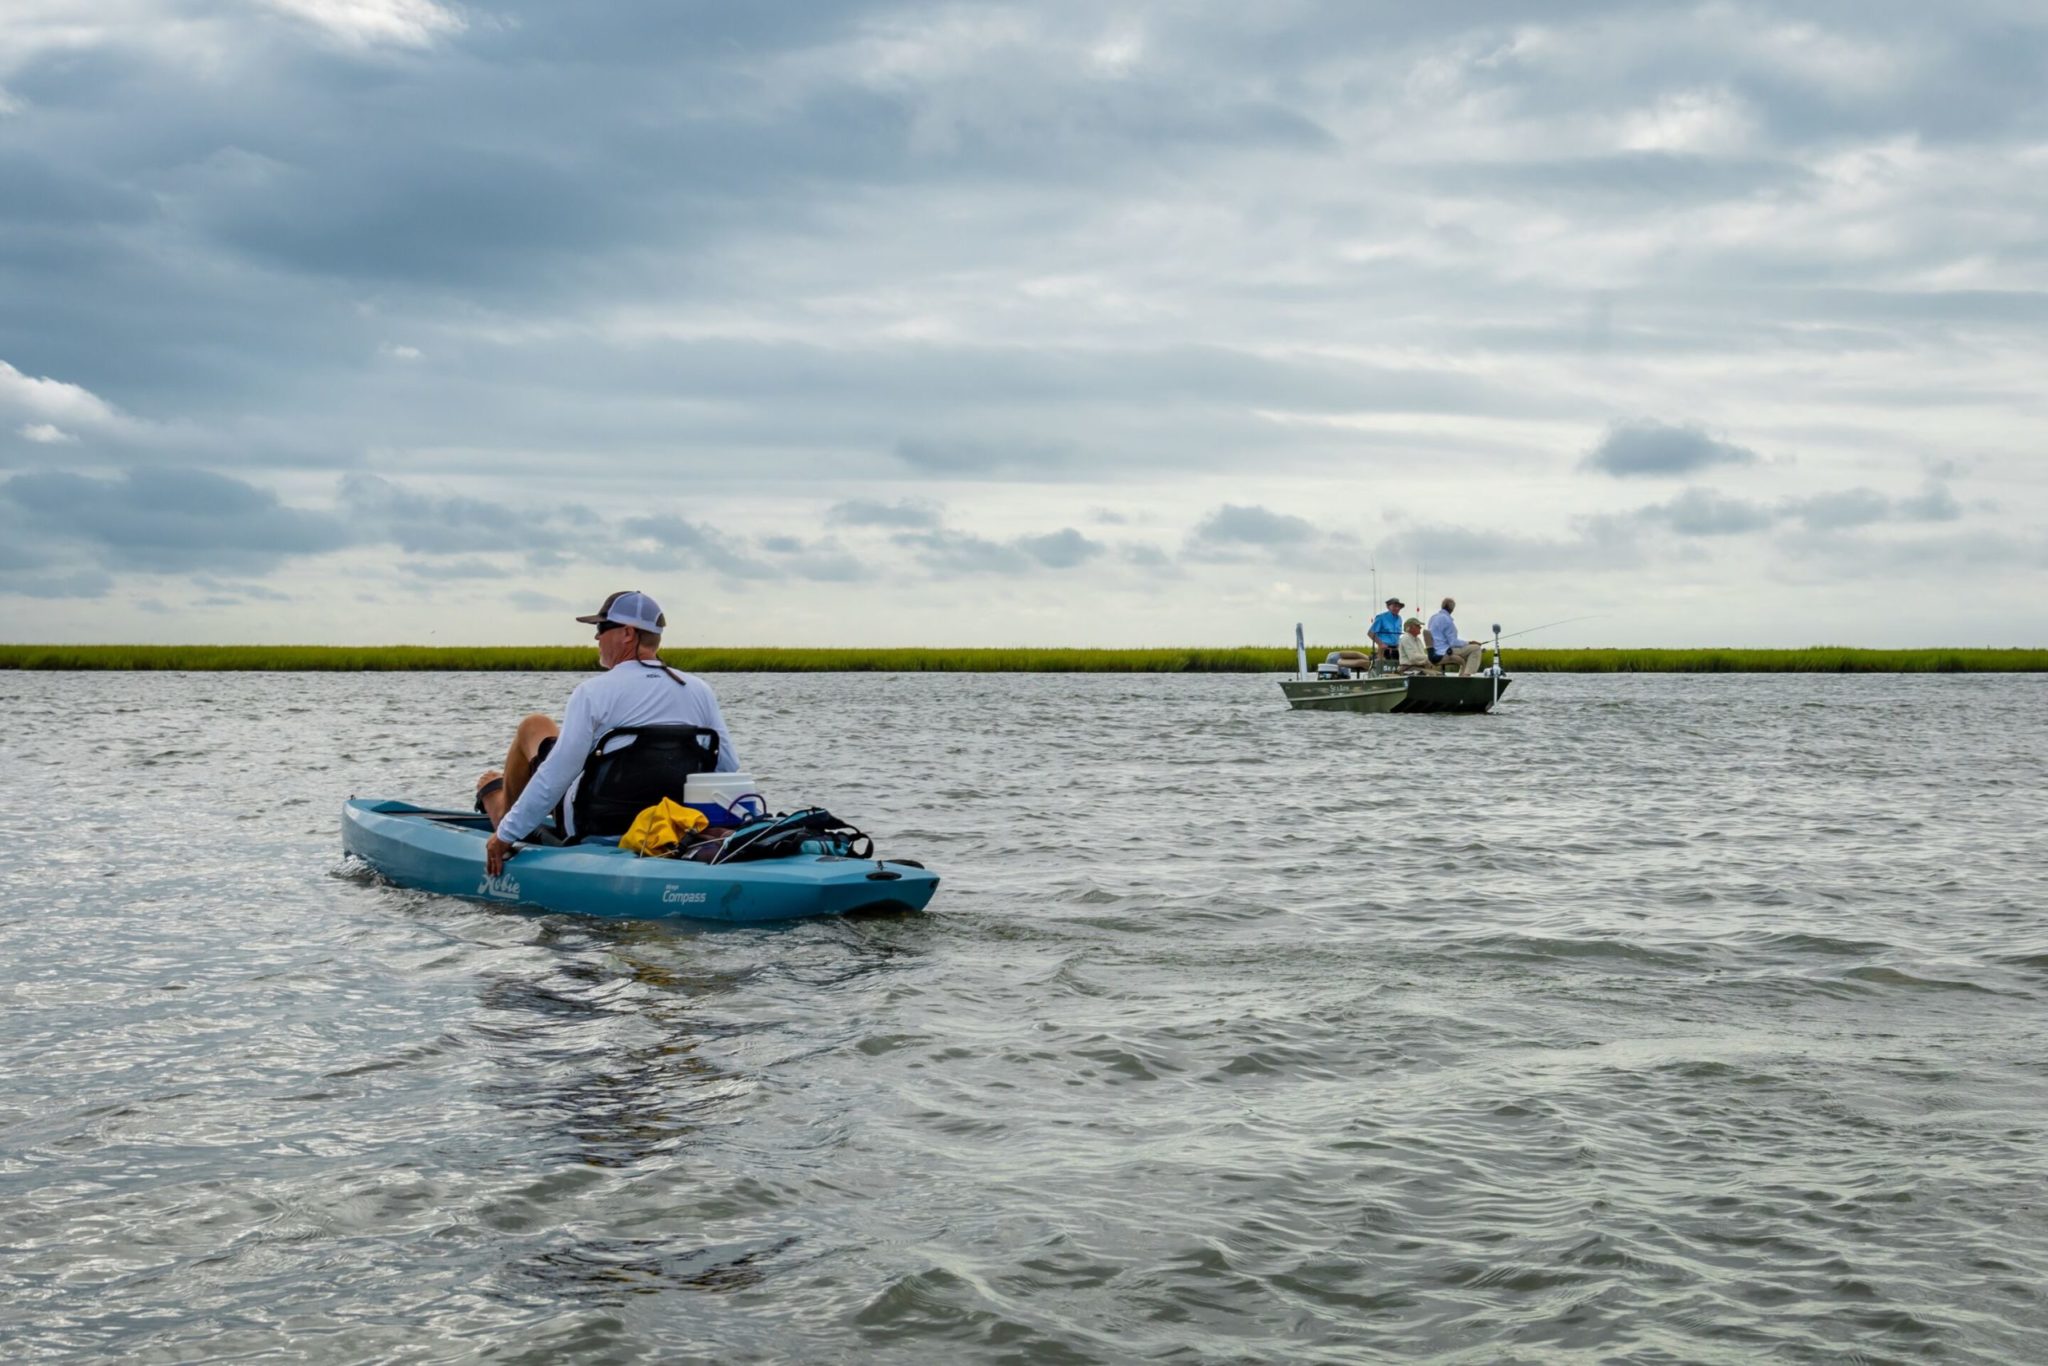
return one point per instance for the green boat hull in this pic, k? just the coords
(1390, 693)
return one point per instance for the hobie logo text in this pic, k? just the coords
(503, 887)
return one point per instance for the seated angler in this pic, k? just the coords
(1447, 646)
(636, 689)
(1414, 654)
(1386, 630)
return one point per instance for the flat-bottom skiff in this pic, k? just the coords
(1350, 681)
(1394, 692)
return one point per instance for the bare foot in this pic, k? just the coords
(494, 800)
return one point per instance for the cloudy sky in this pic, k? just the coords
(1034, 323)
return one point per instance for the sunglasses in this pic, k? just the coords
(604, 626)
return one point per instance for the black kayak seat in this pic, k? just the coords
(622, 780)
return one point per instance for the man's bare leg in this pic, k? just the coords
(520, 763)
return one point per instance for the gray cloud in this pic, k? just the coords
(1820, 558)
(960, 455)
(671, 543)
(431, 524)
(953, 552)
(1934, 503)
(1701, 512)
(828, 566)
(471, 568)
(1062, 549)
(1235, 525)
(824, 561)
(905, 512)
(677, 543)
(31, 563)
(1665, 177)
(1658, 448)
(1861, 507)
(174, 520)
(239, 590)
(83, 583)
(1849, 508)
(956, 552)
(1594, 544)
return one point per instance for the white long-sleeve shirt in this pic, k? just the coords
(1444, 632)
(633, 692)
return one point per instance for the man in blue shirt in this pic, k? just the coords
(1386, 629)
(1452, 649)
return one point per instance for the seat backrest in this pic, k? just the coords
(619, 783)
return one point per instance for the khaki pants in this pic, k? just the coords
(1466, 655)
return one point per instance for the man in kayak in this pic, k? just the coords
(635, 689)
(1386, 629)
(1450, 648)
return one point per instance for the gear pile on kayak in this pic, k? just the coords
(781, 867)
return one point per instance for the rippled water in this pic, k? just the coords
(1648, 1019)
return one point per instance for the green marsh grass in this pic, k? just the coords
(770, 659)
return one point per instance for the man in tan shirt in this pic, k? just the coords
(1414, 654)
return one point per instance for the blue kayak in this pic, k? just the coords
(443, 851)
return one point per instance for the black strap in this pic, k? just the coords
(681, 682)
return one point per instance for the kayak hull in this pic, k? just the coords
(443, 852)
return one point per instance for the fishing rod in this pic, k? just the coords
(1530, 630)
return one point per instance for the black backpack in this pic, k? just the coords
(813, 830)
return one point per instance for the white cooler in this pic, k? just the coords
(725, 798)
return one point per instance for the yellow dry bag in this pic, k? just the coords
(663, 830)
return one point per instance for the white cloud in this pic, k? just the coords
(46, 434)
(55, 399)
(366, 23)
(1690, 121)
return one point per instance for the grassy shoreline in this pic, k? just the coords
(768, 659)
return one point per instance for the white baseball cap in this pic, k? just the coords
(629, 608)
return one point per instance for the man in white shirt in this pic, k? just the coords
(635, 689)
(1452, 648)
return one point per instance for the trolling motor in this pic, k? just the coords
(1496, 670)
